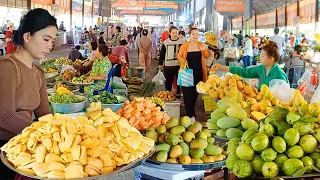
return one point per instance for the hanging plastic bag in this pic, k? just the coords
(159, 79)
(316, 96)
(305, 77)
(281, 90)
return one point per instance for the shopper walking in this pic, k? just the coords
(10, 45)
(168, 61)
(240, 39)
(115, 41)
(194, 54)
(154, 38)
(145, 47)
(23, 86)
(166, 33)
(280, 42)
(248, 52)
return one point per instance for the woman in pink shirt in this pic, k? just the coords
(120, 52)
(145, 46)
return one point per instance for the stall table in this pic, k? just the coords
(157, 174)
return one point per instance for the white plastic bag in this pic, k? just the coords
(305, 77)
(159, 79)
(316, 96)
(281, 90)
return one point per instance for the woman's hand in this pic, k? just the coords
(203, 47)
(217, 66)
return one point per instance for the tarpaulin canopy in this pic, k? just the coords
(234, 8)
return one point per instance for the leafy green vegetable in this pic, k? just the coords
(64, 99)
(47, 65)
(105, 97)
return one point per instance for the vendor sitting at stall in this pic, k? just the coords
(23, 86)
(294, 60)
(267, 71)
(100, 70)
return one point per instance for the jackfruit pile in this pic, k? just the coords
(62, 147)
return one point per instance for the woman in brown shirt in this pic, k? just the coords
(22, 84)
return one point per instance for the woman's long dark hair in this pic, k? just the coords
(34, 21)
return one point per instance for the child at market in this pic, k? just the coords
(267, 71)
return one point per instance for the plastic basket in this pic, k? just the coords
(210, 104)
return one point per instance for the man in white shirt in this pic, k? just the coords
(248, 51)
(280, 42)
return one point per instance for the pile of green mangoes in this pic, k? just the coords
(180, 141)
(230, 120)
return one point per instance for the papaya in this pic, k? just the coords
(228, 122)
(257, 115)
(236, 113)
(233, 133)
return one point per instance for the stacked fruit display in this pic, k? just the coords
(165, 96)
(219, 88)
(230, 120)
(142, 113)
(260, 106)
(62, 147)
(67, 75)
(81, 80)
(64, 61)
(287, 142)
(181, 142)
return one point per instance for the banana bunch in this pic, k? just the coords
(157, 101)
(62, 90)
(134, 90)
(62, 147)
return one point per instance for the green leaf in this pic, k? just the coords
(282, 126)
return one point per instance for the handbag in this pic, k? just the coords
(185, 76)
(115, 59)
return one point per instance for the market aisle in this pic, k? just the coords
(200, 114)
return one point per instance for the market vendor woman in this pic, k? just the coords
(22, 84)
(267, 71)
(100, 70)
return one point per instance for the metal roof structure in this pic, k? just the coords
(263, 6)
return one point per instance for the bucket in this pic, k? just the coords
(136, 72)
(173, 108)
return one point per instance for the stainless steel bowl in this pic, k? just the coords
(115, 107)
(70, 108)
